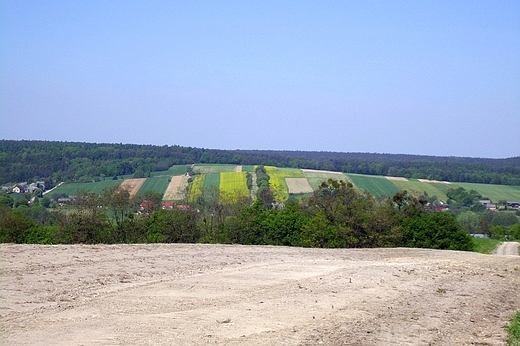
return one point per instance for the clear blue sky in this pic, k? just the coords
(411, 77)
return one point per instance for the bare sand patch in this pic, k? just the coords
(396, 178)
(433, 181)
(176, 189)
(318, 171)
(179, 294)
(298, 185)
(238, 169)
(132, 185)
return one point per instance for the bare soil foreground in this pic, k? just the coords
(253, 295)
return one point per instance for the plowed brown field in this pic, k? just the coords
(132, 185)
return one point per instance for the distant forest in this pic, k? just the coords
(53, 161)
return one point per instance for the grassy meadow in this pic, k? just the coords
(72, 189)
(416, 187)
(494, 192)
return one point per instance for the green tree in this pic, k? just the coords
(6, 201)
(14, 225)
(120, 208)
(87, 224)
(504, 218)
(438, 230)
(46, 202)
(350, 216)
(469, 221)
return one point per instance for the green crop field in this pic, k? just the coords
(493, 192)
(376, 185)
(248, 168)
(211, 180)
(173, 170)
(233, 186)
(315, 178)
(72, 189)
(154, 184)
(416, 188)
(214, 168)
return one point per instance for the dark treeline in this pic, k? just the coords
(67, 161)
(456, 169)
(336, 215)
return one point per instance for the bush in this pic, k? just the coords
(173, 226)
(438, 230)
(14, 225)
(41, 235)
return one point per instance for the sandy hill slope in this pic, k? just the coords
(253, 295)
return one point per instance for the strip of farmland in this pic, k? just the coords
(132, 185)
(214, 168)
(233, 186)
(176, 190)
(71, 189)
(196, 188)
(494, 192)
(416, 188)
(298, 185)
(376, 185)
(173, 170)
(315, 178)
(277, 181)
(157, 184)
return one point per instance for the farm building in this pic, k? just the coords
(167, 205)
(514, 205)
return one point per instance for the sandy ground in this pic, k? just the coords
(508, 249)
(319, 171)
(397, 178)
(252, 295)
(433, 181)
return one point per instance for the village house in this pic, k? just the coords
(20, 188)
(167, 205)
(488, 204)
(513, 205)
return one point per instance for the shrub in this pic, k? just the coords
(438, 230)
(14, 225)
(173, 226)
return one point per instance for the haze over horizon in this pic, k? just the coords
(402, 77)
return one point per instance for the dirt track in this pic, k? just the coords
(244, 295)
(508, 249)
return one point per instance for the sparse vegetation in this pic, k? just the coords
(514, 331)
(485, 245)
